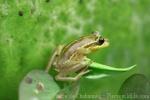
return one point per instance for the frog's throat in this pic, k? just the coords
(105, 44)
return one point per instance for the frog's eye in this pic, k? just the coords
(101, 41)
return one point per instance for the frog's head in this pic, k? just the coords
(98, 42)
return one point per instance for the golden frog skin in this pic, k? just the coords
(71, 59)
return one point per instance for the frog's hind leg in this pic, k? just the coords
(65, 78)
(54, 57)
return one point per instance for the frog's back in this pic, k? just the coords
(70, 49)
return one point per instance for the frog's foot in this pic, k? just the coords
(77, 77)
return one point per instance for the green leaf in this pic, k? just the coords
(38, 85)
(105, 67)
(95, 75)
(136, 87)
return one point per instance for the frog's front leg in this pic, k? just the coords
(54, 57)
(62, 76)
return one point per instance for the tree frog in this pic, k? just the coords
(70, 60)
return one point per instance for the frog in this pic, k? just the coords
(71, 61)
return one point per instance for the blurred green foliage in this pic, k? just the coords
(31, 29)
